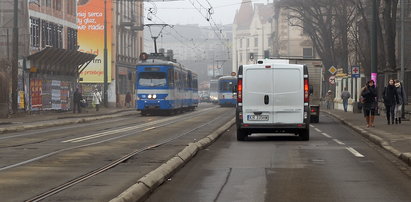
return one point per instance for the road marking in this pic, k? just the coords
(326, 135)
(131, 128)
(147, 129)
(339, 142)
(355, 152)
(312, 126)
(318, 130)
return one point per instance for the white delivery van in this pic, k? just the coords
(273, 98)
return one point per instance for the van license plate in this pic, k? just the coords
(257, 117)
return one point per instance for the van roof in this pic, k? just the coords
(273, 61)
(275, 65)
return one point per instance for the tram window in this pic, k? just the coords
(226, 86)
(171, 78)
(152, 79)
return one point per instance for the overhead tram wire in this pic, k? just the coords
(209, 18)
(194, 48)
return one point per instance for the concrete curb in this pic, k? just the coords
(405, 157)
(155, 178)
(60, 122)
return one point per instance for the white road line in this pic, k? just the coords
(312, 126)
(318, 130)
(355, 152)
(339, 142)
(326, 135)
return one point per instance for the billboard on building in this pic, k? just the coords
(90, 21)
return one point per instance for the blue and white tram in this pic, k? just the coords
(226, 96)
(165, 87)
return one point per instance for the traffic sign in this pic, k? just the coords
(332, 70)
(331, 80)
(355, 72)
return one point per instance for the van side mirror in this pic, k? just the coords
(311, 89)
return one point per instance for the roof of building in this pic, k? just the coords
(265, 11)
(244, 15)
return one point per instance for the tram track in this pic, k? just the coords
(150, 125)
(115, 163)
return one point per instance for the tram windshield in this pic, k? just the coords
(152, 79)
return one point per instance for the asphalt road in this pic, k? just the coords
(335, 165)
(34, 161)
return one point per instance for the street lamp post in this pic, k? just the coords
(374, 42)
(105, 56)
(14, 70)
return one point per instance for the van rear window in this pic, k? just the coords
(287, 80)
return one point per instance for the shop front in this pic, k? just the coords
(51, 77)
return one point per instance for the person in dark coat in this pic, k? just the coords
(128, 100)
(369, 100)
(77, 97)
(401, 100)
(390, 97)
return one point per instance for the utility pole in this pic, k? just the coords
(402, 53)
(105, 56)
(374, 42)
(15, 58)
(402, 41)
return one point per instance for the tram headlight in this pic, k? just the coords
(154, 96)
(149, 96)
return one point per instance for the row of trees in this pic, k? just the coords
(340, 30)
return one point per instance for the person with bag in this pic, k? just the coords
(369, 100)
(96, 99)
(401, 100)
(390, 97)
(77, 97)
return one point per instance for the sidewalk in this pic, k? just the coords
(393, 138)
(44, 119)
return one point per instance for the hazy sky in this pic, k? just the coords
(184, 12)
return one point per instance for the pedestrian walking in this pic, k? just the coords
(345, 95)
(369, 102)
(96, 99)
(401, 100)
(128, 100)
(77, 97)
(329, 98)
(390, 97)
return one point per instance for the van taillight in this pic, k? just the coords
(240, 91)
(306, 91)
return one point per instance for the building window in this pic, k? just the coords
(248, 43)
(71, 39)
(57, 5)
(35, 32)
(307, 53)
(51, 34)
(48, 3)
(256, 41)
(71, 7)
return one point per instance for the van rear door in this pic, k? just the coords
(257, 92)
(288, 102)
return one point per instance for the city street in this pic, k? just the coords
(337, 164)
(36, 161)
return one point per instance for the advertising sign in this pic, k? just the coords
(90, 21)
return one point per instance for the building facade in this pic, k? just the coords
(129, 45)
(263, 31)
